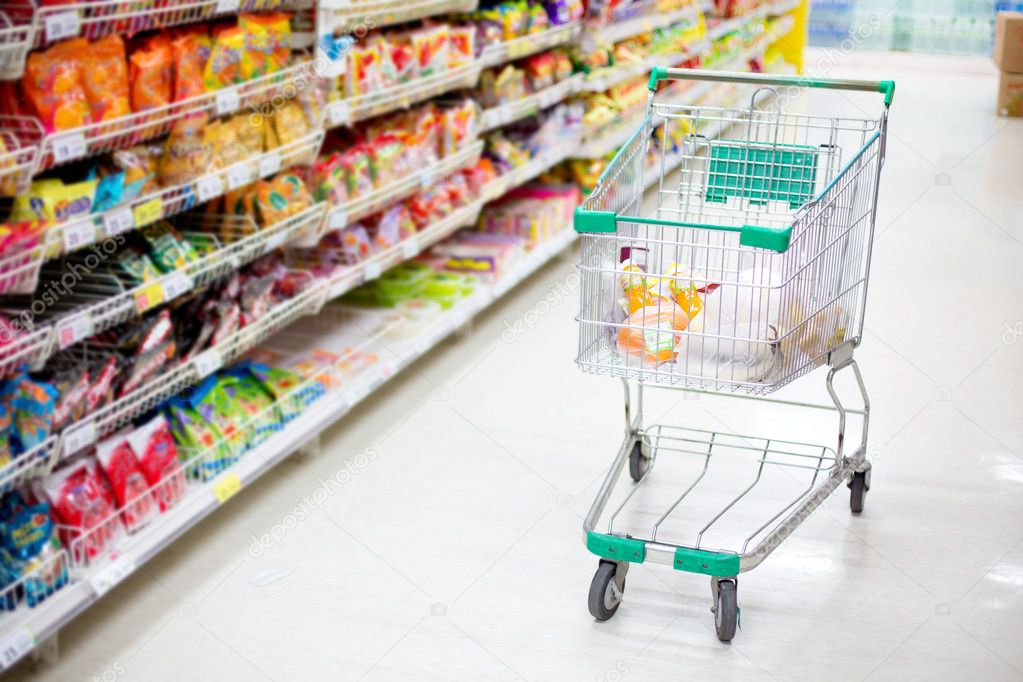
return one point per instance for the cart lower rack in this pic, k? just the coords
(750, 271)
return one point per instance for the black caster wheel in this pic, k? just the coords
(638, 462)
(859, 484)
(605, 597)
(726, 610)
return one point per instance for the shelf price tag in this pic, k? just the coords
(175, 284)
(118, 220)
(77, 235)
(209, 187)
(68, 147)
(269, 164)
(14, 646)
(208, 362)
(148, 212)
(227, 101)
(73, 329)
(226, 487)
(78, 437)
(61, 25)
(227, 6)
(338, 113)
(149, 297)
(117, 569)
(239, 176)
(337, 219)
(372, 270)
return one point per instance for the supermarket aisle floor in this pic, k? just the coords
(453, 550)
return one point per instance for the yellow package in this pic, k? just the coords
(267, 43)
(186, 155)
(290, 123)
(225, 64)
(250, 134)
(227, 142)
(53, 201)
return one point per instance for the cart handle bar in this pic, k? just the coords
(660, 73)
(757, 236)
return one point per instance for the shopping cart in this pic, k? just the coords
(747, 274)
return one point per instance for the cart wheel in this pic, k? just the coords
(858, 487)
(605, 597)
(726, 610)
(638, 462)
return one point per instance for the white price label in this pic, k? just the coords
(14, 646)
(269, 164)
(117, 221)
(68, 147)
(227, 6)
(427, 179)
(410, 248)
(209, 187)
(372, 270)
(275, 241)
(239, 176)
(73, 329)
(338, 113)
(227, 101)
(208, 362)
(79, 437)
(175, 284)
(338, 219)
(61, 25)
(117, 569)
(77, 235)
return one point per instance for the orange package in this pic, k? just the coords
(651, 332)
(105, 79)
(189, 65)
(152, 74)
(53, 84)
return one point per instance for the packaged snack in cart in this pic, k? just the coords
(83, 504)
(461, 46)
(105, 78)
(53, 84)
(431, 48)
(129, 485)
(151, 74)
(157, 457)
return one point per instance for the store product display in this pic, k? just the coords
(209, 210)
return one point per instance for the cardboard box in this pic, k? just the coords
(1008, 54)
(1010, 94)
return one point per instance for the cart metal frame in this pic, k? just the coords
(742, 213)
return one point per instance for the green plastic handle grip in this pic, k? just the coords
(660, 73)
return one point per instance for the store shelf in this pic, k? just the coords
(75, 235)
(340, 216)
(497, 117)
(25, 628)
(385, 100)
(341, 17)
(566, 148)
(251, 96)
(604, 79)
(609, 34)
(725, 26)
(510, 50)
(20, 152)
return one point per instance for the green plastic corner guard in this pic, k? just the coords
(657, 74)
(593, 221)
(717, 564)
(616, 548)
(762, 237)
(888, 89)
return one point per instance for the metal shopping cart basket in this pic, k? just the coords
(747, 273)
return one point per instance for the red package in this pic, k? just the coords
(157, 457)
(99, 392)
(130, 488)
(84, 507)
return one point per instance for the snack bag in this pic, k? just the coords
(53, 84)
(216, 407)
(117, 460)
(261, 413)
(135, 267)
(151, 70)
(199, 442)
(187, 153)
(189, 65)
(267, 43)
(250, 134)
(364, 73)
(105, 78)
(356, 163)
(167, 247)
(431, 48)
(281, 197)
(290, 123)
(32, 405)
(29, 547)
(81, 500)
(655, 342)
(224, 66)
(385, 155)
(157, 457)
(139, 165)
(461, 46)
(291, 393)
(53, 201)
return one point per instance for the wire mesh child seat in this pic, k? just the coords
(748, 271)
(751, 267)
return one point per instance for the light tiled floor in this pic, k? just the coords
(456, 552)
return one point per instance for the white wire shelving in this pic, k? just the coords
(497, 117)
(524, 46)
(343, 17)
